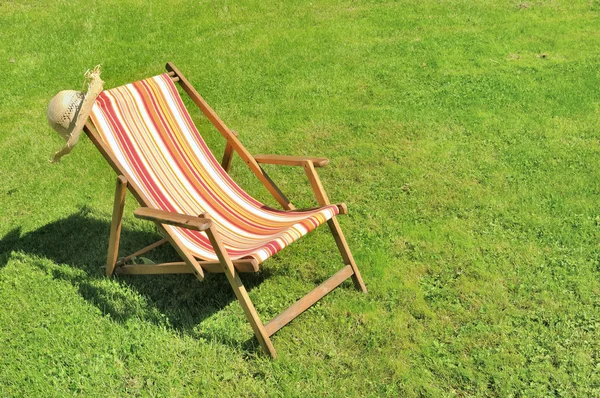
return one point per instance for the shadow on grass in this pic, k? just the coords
(77, 246)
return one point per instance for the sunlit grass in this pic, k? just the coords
(462, 135)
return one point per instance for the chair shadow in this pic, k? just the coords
(77, 247)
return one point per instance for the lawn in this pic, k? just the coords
(463, 135)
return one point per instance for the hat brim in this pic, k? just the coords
(94, 89)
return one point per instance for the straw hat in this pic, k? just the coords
(69, 110)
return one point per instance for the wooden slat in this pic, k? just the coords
(153, 269)
(305, 302)
(178, 220)
(245, 266)
(229, 136)
(115, 225)
(290, 160)
(141, 251)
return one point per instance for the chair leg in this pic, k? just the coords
(323, 200)
(115, 227)
(240, 292)
(257, 326)
(338, 235)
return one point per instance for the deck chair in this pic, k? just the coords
(145, 133)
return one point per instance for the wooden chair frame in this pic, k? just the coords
(202, 222)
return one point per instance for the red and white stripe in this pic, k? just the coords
(148, 129)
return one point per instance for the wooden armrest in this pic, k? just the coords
(175, 219)
(290, 160)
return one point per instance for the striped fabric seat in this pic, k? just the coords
(148, 129)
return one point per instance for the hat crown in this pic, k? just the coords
(63, 109)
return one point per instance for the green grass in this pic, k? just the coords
(464, 136)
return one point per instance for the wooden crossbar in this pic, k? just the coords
(182, 268)
(153, 269)
(140, 252)
(305, 302)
